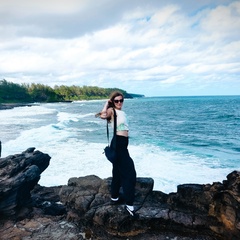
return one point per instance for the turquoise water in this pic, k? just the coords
(174, 140)
(208, 127)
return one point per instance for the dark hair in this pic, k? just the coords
(112, 96)
(111, 102)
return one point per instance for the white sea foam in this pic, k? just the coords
(65, 117)
(71, 157)
(68, 136)
(169, 169)
(23, 114)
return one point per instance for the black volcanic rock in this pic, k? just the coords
(19, 174)
(210, 211)
(82, 209)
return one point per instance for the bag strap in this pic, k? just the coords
(114, 128)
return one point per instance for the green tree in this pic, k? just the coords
(12, 92)
(43, 93)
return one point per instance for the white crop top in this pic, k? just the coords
(122, 123)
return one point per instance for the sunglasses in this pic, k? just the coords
(117, 101)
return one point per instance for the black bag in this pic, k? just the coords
(109, 150)
(110, 154)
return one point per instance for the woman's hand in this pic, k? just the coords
(106, 111)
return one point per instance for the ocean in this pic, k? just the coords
(174, 140)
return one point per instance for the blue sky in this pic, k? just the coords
(151, 47)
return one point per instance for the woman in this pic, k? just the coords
(123, 172)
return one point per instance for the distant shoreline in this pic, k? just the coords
(5, 106)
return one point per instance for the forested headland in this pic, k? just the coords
(28, 93)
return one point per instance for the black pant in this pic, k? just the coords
(123, 172)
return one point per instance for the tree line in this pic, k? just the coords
(14, 93)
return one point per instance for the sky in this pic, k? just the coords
(150, 47)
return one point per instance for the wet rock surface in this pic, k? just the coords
(82, 209)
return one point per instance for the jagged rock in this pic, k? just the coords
(39, 228)
(210, 210)
(19, 174)
(82, 209)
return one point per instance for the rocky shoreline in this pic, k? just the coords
(82, 210)
(5, 106)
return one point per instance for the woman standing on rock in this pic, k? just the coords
(123, 172)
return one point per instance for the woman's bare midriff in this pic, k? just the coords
(122, 133)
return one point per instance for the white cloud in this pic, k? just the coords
(222, 22)
(153, 48)
(34, 7)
